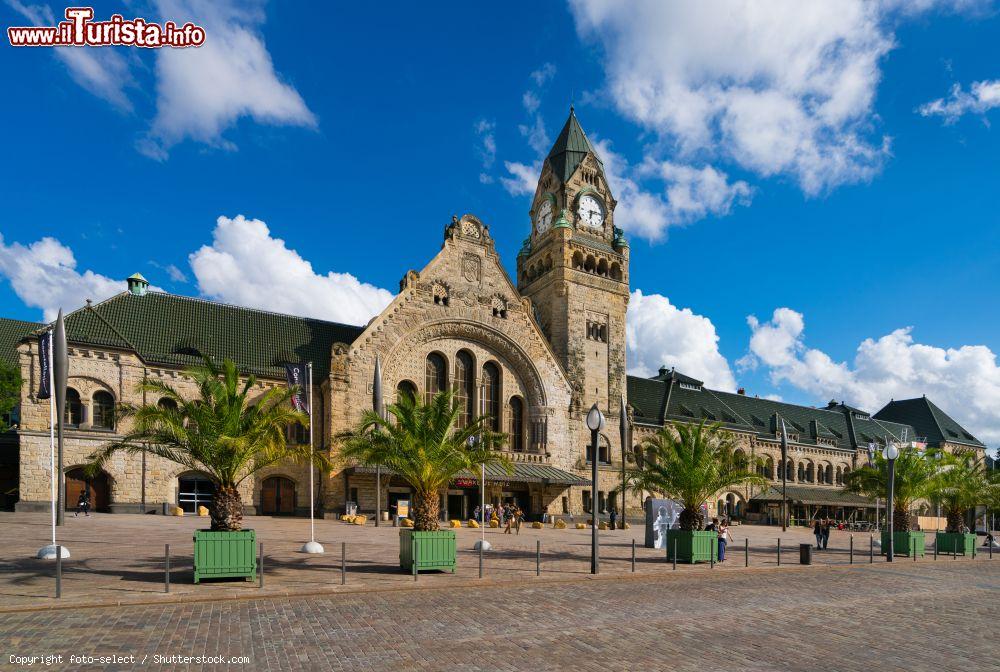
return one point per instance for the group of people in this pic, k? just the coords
(725, 536)
(821, 528)
(507, 515)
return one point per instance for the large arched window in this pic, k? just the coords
(104, 410)
(74, 409)
(829, 474)
(491, 383)
(167, 403)
(406, 388)
(516, 424)
(465, 380)
(436, 376)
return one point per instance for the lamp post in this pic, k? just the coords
(623, 429)
(595, 423)
(890, 453)
(311, 546)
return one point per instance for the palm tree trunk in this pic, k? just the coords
(425, 511)
(691, 519)
(955, 521)
(227, 509)
(900, 520)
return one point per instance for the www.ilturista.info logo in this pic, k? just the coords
(80, 30)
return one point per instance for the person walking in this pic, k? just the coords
(613, 518)
(475, 514)
(518, 518)
(827, 524)
(507, 515)
(818, 532)
(724, 537)
(83, 504)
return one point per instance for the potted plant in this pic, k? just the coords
(961, 482)
(690, 463)
(913, 475)
(225, 435)
(424, 444)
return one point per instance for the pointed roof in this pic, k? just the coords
(570, 149)
(13, 332)
(928, 420)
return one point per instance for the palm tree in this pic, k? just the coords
(690, 463)
(222, 432)
(961, 482)
(913, 475)
(423, 444)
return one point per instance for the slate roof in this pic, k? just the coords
(928, 420)
(524, 472)
(570, 148)
(173, 330)
(814, 495)
(13, 332)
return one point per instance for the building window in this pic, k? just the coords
(565, 504)
(586, 501)
(491, 383)
(406, 388)
(516, 424)
(297, 434)
(74, 409)
(104, 410)
(603, 452)
(436, 377)
(167, 403)
(602, 502)
(464, 382)
(597, 332)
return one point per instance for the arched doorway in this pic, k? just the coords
(194, 490)
(277, 496)
(97, 488)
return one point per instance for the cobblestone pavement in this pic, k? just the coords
(118, 559)
(906, 616)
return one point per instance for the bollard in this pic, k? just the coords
(538, 557)
(746, 552)
(480, 561)
(415, 548)
(989, 544)
(871, 549)
(913, 549)
(58, 572)
(166, 568)
(973, 550)
(675, 553)
(935, 548)
(711, 556)
(779, 551)
(261, 584)
(633, 555)
(954, 552)
(343, 563)
(852, 550)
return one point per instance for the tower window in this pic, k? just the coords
(491, 383)
(440, 294)
(597, 332)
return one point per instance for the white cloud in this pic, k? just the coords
(522, 178)
(201, 92)
(965, 381)
(246, 266)
(780, 88)
(530, 101)
(660, 334)
(544, 74)
(487, 148)
(982, 97)
(538, 138)
(43, 275)
(103, 71)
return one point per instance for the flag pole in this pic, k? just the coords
(49, 552)
(784, 475)
(482, 544)
(312, 546)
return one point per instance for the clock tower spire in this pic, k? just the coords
(574, 267)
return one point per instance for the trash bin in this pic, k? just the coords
(805, 554)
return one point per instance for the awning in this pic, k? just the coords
(816, 496)
(524, 472)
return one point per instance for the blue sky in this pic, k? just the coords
(815, 161)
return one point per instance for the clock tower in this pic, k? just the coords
(574, 268)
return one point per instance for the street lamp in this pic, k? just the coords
(890, 453)
(595, 422)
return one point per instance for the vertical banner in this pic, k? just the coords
(44, 352)
(295, 374)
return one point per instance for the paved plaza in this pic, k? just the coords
(930, 614)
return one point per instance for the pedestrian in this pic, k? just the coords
(475, 514)
(724, 537)
(518, 517)
(83, 504)
(507, 520)
(818, 532)
(827, 524)
(713, 526)
(613, 518)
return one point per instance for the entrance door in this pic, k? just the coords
(277, 497)
(77, 481)
(194, 490)
(456, 505)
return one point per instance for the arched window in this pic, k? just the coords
(491, 381)
(840, 475)
(167, 403)
(802, 472)
(829, 474)
(465, 376)
(406, 388)
(740, 458)
(436, 375)
(516, 424)
(104, 410)
(74, 409)
(766, 468)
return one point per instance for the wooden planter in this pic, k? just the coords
(904, 543)
(430, 550)
(955, 542)
(693, 546)
(225, 554)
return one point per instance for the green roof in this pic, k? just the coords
(173, 330)
(13, 332)
(929, 421)
(814, 495)
(524, 472)
(570, 148)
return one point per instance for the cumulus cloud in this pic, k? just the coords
(522, 178)
(487, 148)
(979, 99)
(660, 334)
(202, 92)
(783, 88)
(247, 266)
(44, 275)
(964, 380)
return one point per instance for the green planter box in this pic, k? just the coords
(225, 554)
(693, 546)
(955, 542)
(904, 543)
(432, 550)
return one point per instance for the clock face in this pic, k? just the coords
(591, 211)
(543, 218)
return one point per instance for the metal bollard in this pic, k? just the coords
(58, 572)
(480, 561)
(973, 550)
(415, 556)
(989, 544)
(166, 568)
(779, 551)
(343, 563)
(538, 557)
(746, 552)
(261, 584)
(935, 548)
(871, 549)
(852, 551)
(913, 549)
(954, 552)
(711, 556)
(675, 553)
(633, 555)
